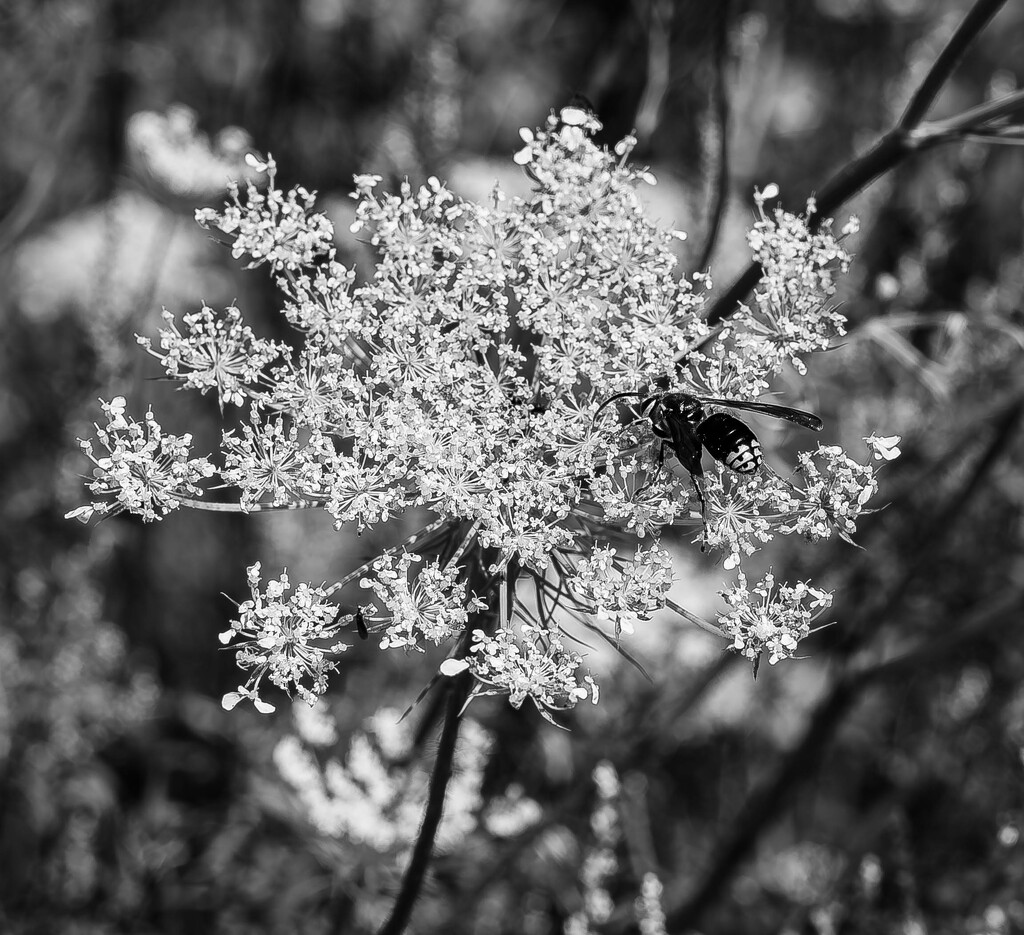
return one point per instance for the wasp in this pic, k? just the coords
(681, 420)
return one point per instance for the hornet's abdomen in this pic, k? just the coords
(730, 441)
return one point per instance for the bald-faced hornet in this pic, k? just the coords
(681, 419)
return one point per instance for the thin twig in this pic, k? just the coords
(165, 228)
(1003, 434)
(459, 688)
(695, 620)
(420, 538)
(975, 117)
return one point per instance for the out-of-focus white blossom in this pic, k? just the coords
(173, 158)
(314, 724)
(375, 795)
(511, 814)
(599, 860)
(649, 912)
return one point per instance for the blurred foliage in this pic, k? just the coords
(874, 787)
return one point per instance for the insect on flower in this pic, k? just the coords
(681, 419)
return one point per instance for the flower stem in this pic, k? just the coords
(419, 861)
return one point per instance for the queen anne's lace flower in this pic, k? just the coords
(534, 664)
(466, 374)
(274, 228)
(270, 464)
(790, 319)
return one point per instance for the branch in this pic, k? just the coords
(895, 146)
(720, 102)
(765, 805)
(659, 62)
(46, 170)
(1002, 436)
(974, 22)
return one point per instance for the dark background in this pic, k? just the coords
(872, 787)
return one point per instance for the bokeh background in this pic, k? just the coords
(875, 786)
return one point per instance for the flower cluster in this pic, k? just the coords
(215, 352)
(789, 319)
(144, 471)
(469, 373)
(269, 464)
(622, 590)
(431, 606)
(281, 230)
(285, 637)
(829, 492)
(650, 913)
(833, 493)
(770, 619)
(532, 663)
(741, 514)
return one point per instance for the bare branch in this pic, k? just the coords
(720, 104)
(899, 143)
(974, 22)
(659, 60)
